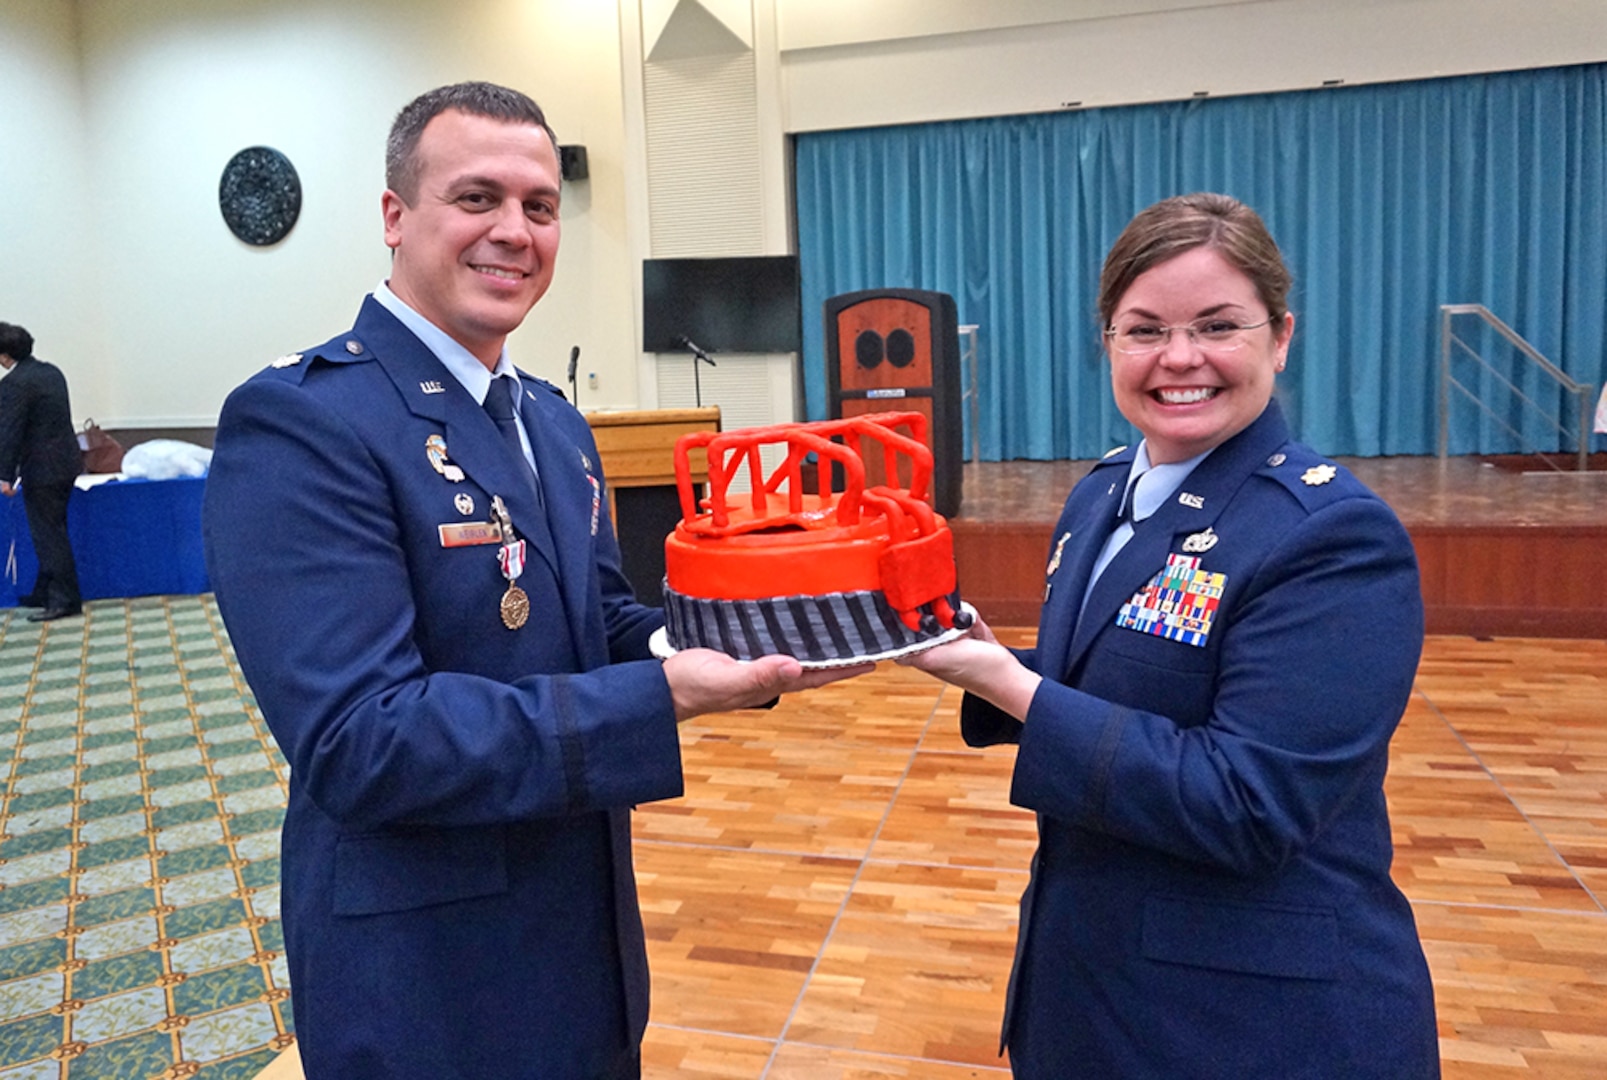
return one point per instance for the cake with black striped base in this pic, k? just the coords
(830, 577)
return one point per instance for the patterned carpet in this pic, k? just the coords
(139, 868)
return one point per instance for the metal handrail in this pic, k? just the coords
(968, 360)
(1581, 391)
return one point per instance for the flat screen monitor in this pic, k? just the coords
(737, 305)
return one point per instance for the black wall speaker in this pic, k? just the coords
(898, 350)
(572, 162)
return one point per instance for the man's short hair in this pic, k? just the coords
(485, 99)
(15, 342)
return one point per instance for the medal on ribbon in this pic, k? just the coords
(515, 604)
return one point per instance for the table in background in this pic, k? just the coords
(130, 538)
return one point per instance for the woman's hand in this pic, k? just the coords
(979, 665)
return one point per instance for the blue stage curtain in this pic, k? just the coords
(1387, 200)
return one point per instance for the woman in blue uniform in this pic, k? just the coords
(1229, 634)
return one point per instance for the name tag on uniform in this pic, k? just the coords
(469, 533)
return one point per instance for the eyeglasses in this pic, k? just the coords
(1207, 335)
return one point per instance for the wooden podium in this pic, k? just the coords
(637, 448)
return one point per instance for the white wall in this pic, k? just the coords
(904, 61)
(50, 255)
(172, 89)
(116, 119)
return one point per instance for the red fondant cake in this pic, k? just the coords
(865, 572)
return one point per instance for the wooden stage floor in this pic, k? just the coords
(1502, 551)
(835, 896)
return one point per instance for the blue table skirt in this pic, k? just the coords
(130, 538)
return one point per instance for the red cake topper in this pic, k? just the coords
(777, 540)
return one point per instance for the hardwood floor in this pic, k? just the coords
(835, 896)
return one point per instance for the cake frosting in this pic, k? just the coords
(829, 576)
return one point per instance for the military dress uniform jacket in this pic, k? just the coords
(1211, 895)
(458, 899)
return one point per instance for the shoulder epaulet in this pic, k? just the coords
(344, 349)
(1310, 477)
(543, 383)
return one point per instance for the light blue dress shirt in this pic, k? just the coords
(463, 365)
(1148, 486)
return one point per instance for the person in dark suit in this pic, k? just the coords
(1229, 634)
(39, 446)
(410, 545)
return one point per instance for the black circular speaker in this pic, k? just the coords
(901, 348)
(260, 195)
(868, 348)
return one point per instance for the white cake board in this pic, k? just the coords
(659, 645)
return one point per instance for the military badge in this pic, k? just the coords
(435, 450)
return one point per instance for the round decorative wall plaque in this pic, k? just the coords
(260, 195)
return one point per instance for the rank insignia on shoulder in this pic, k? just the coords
(288, 360)
(1200, 542)
(1318, 475)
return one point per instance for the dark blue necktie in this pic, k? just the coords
(1130, 502)
(499, 403)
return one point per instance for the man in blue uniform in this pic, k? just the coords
(410, 546)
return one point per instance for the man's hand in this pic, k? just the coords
(6, 489)
(707, 681)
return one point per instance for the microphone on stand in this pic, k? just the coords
(697, 354)
(687, 343)
(574, 364)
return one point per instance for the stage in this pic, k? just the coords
(1507, 546)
